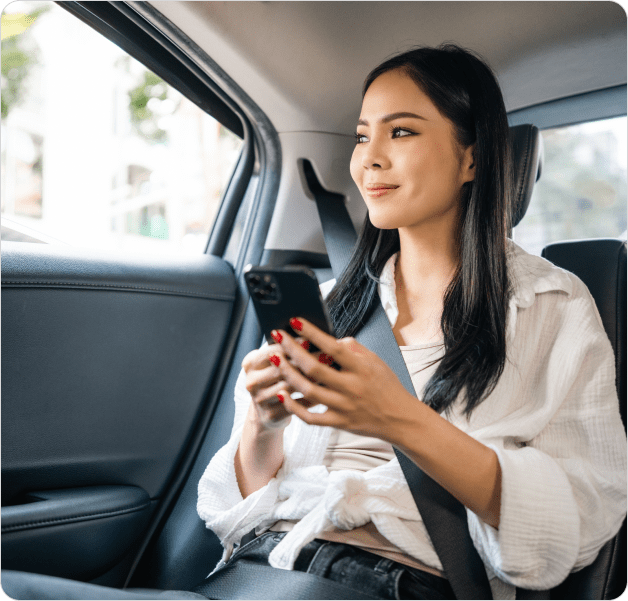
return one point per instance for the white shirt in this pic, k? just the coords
(553, 420)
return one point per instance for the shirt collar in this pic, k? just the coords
(529, 275)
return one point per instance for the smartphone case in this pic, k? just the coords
(281, 293)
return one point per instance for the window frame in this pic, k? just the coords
(589, 106)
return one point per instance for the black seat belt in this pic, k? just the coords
(444, 516)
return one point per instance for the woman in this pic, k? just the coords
(519, 419)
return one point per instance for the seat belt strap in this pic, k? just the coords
(444, 516)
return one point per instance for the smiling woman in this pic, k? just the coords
(432, 163)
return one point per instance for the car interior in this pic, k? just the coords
(118, 367)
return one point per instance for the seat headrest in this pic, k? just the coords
(526, 146)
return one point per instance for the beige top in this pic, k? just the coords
(347, 451)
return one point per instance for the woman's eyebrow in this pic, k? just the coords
(393, 116)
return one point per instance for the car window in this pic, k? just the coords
(97, 150)
(582, 190)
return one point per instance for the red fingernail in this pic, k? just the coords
(280, 397)
(296, 324)
(306, 345)
(326, 359)
(277, 337)
(274, 360)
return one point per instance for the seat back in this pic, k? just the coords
(601, 265)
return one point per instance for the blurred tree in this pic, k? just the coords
(148, 102)
(17, 56)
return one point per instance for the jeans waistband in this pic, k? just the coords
(353, 567)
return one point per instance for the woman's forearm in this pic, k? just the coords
(259, 455)
(463, 466)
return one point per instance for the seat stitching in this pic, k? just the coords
(27, 525)
(58, 284)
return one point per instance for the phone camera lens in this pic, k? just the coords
(254, 279)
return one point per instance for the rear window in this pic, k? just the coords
(582, 190)
(98, 151)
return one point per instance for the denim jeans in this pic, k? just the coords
(352, 567)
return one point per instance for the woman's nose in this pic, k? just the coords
(375, 156)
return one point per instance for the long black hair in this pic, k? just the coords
(465, 91)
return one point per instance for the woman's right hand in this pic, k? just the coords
(264, 382)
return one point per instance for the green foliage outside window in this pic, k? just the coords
(145, 120)
(17, 57)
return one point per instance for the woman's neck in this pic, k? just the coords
(424, 268)
(425, 263)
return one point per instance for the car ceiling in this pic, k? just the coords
(304, 62)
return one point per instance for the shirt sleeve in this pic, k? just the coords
(563, 490)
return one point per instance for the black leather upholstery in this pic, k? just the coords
(73, 532)
(601, 265)
(526, 147)
(106, 360)
(22, 585)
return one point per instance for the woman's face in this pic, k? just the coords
(407, 163)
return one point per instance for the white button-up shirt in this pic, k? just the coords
(553, 420)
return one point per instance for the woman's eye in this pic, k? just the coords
(360, 138)
(398, 132)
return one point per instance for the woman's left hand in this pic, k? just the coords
(365, 397)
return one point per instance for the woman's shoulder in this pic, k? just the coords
(537, 283)
(531, 276)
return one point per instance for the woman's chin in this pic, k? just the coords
(383, 222)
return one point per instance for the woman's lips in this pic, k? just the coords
(376, 191)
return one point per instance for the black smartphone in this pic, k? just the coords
(281, 293)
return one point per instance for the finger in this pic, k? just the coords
(303, 343)
(262, 378)
(311, 391)
(297, 408)
(316, 366)
(259, 358)
(266, 397)
(326, 343)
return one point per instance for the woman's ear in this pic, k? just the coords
(467, 165)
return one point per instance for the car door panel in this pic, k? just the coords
(73, 533)
(106, 362)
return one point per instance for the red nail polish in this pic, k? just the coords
(277, 337)
(280, 397)
(296, 324)
(306, 345)
(326, 359)
(274, 360)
